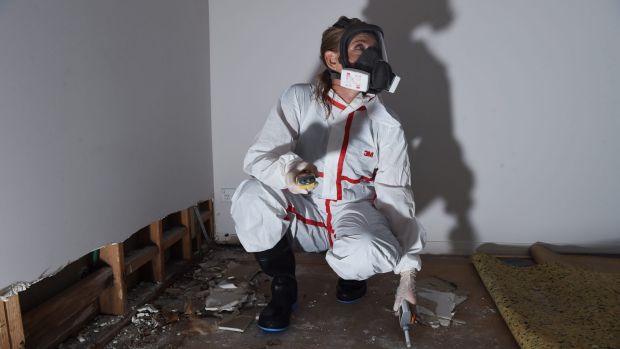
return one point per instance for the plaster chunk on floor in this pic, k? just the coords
(226, 297)
(437, 299)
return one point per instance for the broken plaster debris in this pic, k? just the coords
(226, 285)
(226, 299)
(144, 316)
(181, 308)
(437, 299)
(21, 286)
(148, 308)
(12, 290)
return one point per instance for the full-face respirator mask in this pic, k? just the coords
(371, 72)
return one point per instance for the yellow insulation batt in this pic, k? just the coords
(553, 305)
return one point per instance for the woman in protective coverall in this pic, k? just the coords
(360, 208)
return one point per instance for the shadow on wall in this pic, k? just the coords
(423, 104)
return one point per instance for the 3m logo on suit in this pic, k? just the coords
(368, 153)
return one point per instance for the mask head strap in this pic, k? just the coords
(343, 22)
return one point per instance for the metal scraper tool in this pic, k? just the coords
(407, 318)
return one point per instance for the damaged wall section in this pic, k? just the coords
(105, 124)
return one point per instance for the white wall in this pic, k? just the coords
(104, 124)
(511, 108)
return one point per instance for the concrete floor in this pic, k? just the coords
(321, 322)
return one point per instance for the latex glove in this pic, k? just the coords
(406, 289)
(295, 170)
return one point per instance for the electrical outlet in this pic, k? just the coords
(227, 194)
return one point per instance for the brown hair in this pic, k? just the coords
(330, 41)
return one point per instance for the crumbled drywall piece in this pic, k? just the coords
(148, 308)
(226, 285)
(437, 299)
(222, 299)
(12, 290)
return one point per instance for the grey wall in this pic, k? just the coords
(104, 124)
(510, 107)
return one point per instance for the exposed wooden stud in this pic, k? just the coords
(187, 239)
(198, 233)
(192, 225)
(206, 216)
(14, 322)
(211, 219)
(156, 232)
(50, 318)
(136, 259)
(113, 300)
(5, 339)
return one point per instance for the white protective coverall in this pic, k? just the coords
(362, 211)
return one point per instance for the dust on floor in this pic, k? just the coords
(178, 318)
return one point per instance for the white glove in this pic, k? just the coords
(292, 174)
(406, 289)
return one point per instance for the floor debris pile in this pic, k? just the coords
(217, 294)
(214, 304)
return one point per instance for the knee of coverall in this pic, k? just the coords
(258, 212)
(360, 254)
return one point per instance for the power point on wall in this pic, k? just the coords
(227, 194)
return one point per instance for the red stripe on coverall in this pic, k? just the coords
(339, 176)
(343, 153)
(336, 104)
(357, 181)
(330, 228)
(354, 181)
(304, 219)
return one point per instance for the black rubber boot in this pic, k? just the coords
(349, 291)
(278, 262)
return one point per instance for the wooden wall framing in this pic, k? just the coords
(11, 326)
(105, 289)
